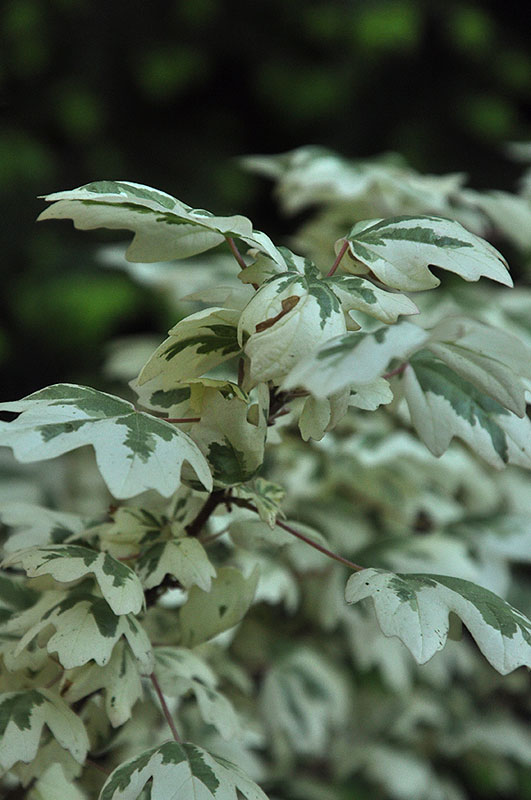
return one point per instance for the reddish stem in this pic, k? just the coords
(182, 419)
(340, 255)
(396, 371)
(165, 708)
(235, 252)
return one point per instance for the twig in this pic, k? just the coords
(397, 371)
(165, 708)
(340, 255)
(197, 525)
(235, 252)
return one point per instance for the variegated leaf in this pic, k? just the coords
(266, 496)
(119, 585)
(492, 359)
(195, 345)
(85, 629)
(183, 558)
(179, 771)
(416, 608)
(354, 359)
(288, 317)
(23, 716)
(119, 678)
(165, 228)
(359, 294)
(205, 614)
(134, 451)
(442, 405)
(400, 250)
(322, 414)
(180, 671)
(37, 525)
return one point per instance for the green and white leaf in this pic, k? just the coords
(179, 771)
(184, 558)
(195, 345)
(54, 784)
(165, 228)
(36, 525)
(205, 614)
(400, 250)
(353, 359)
(288, 317)
(118, 583)
(232, 431)
(134, 451)
(85, 629)
(359, 294)
(23, 716)
(492, 359)
(416, 608)
(266, 496)
(119, 678)
(180, 671)
(370, 396)
(303, 698)
(442, 405)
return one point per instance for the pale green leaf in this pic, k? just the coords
(119, 678)
(195, 345)
(354, 359)
(400, 250)
(68, 562)
(179, 771)
(443, 405)
(510, 214)
(369, 396)
(164, 227)
(37, 525)
(134, 451)
(416, 609)
(54, 785)
(205, 614)
(180, 671)
(22, 718)
(183, 558)
(85, 628)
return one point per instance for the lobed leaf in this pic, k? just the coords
(134, 451)
(266, 496)
(400, 250)
(165, 228)
(442, 405)
(23, 716)
(179, 771)
(119, 585)
(185, 558)
(416, 608)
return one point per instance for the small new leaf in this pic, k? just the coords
(134, 451)
(416, 608)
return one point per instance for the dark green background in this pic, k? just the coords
(168, 93)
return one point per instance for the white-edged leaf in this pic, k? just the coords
(134, 451)
(85, 629)
(354, 358)
(119, 678)
(68, 562)
(400, 250)
(165, 228)
(442, 405)
(36, 525)
(180, 671)
(416, 608)
(205, 614)
(22, 718)
(492, 359)
(359, 294)
(185, 558)
(195, 345)
(179, 771)
(288, 317)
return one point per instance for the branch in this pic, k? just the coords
(165, 708)
(237, 501)
(235, 252)
(197, 525)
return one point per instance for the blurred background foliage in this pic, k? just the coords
(169, 93)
